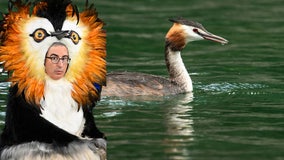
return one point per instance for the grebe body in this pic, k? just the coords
(183, 31)
(136, 84)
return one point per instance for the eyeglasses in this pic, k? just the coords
(55, 59)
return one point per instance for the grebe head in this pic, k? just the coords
(184, 31)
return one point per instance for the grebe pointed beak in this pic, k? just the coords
(212, 37)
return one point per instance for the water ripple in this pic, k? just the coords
(230, 88)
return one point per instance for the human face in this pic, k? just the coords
(56, 70)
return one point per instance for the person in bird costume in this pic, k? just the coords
(55, 56)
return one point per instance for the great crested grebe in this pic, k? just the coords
(134, 84)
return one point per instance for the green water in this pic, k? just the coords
(237, 109)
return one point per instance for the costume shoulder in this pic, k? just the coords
(90, 128)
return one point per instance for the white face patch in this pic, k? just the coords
(59, 108)
(74, 49)
(190, 34)
(38, 38)
(34, 52)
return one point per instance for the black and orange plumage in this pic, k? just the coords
(18, 54)
(26, 32)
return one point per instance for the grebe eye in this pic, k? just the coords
(39, 35)
(195, 30)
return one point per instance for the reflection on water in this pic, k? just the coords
(178, 117)
(3, 96)
(163, 126)
(180, 126)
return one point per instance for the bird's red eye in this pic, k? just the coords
(195, 30)
(39, 35)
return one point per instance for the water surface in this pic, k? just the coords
(236, 110)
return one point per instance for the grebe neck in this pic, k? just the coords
(177, 70)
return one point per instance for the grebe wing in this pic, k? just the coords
(132, 84)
